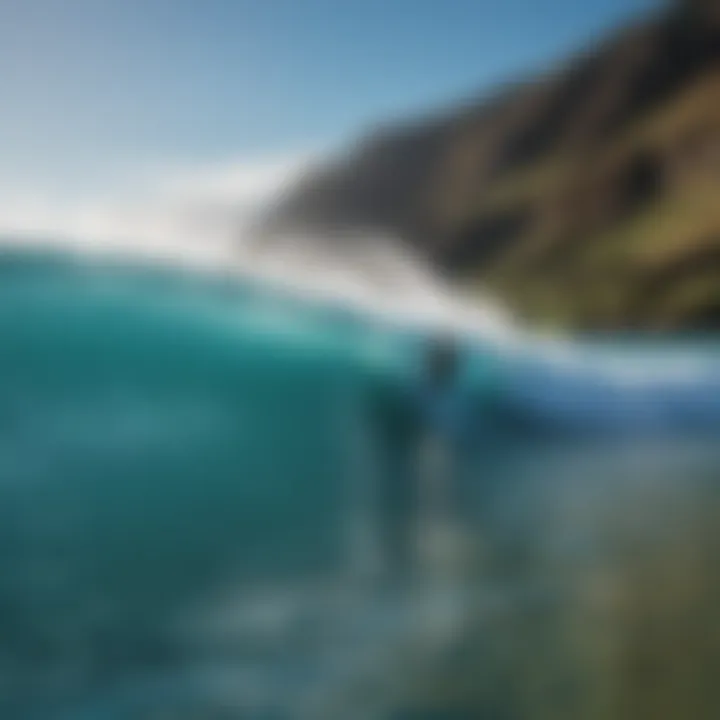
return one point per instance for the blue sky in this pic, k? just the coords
(93, 90)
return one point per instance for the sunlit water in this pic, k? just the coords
(203, 505)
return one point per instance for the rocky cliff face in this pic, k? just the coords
(585, 197)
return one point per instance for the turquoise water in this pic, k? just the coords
(174, 446)
(166, 439)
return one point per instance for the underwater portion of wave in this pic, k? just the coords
(200, 477)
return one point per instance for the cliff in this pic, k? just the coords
(586, 197)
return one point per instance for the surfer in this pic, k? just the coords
(442, 365)
(420, 495)
(443, 421)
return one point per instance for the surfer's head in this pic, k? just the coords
(442, 363)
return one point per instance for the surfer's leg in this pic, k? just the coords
(436, 527)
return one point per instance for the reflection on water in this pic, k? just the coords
(206, 516)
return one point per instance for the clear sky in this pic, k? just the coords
(94, 89)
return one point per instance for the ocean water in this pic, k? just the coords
(207, 488)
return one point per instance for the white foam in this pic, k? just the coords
(370, 274)
(365, 271)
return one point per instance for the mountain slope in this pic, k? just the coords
(587, 197)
